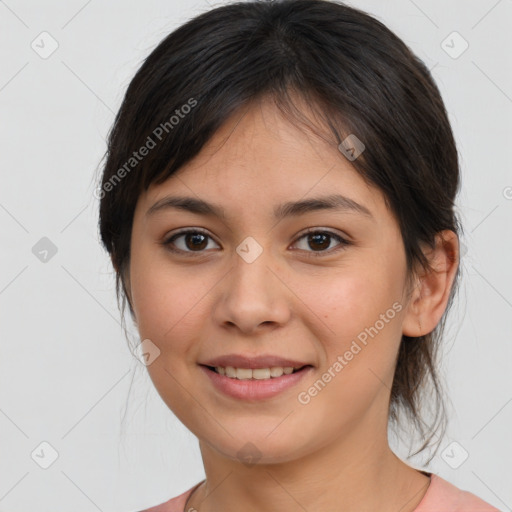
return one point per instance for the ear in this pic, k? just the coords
(430, 295)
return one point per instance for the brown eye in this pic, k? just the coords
(317, 242)
(320, 241)
(193, 240)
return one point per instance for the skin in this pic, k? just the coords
(331, 453)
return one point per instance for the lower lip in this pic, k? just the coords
(255, 389)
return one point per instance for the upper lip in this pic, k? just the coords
(263, 361)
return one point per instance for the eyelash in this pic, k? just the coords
(315, 254)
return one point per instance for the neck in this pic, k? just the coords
(352, 475)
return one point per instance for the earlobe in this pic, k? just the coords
(431, 293)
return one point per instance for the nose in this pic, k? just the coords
(254, 296)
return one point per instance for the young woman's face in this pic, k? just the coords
(255, 284)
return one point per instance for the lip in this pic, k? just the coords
(255, 389)
(262, 361)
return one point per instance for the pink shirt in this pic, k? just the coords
(441, 496)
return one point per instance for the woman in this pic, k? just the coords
(278, 203)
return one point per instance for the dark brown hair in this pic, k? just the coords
(357, 77)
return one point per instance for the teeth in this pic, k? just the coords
(256, 373)
(260, 373)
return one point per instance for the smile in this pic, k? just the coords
(254, 373)
(254, 384)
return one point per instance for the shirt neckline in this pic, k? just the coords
(434, 479)
(421, 504)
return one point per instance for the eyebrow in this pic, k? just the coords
(334, 202)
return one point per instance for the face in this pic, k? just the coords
(322, 288)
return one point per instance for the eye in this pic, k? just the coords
(194, 240)
(321, 240)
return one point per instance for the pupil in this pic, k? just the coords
(315, 238)
(195, 237)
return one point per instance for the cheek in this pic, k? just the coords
(350, 300)
(360, 314)
(167, 304)
(164, 299)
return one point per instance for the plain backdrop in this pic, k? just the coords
(67, 377)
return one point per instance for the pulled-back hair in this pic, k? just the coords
(356, 76)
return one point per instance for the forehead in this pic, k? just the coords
(258, 159)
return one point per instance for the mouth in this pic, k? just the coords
(272, 372)
(255, 384)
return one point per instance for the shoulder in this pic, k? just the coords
(176, 504)
(442, 496)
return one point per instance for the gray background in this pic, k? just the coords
(66, 372)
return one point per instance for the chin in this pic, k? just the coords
(258, 448)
